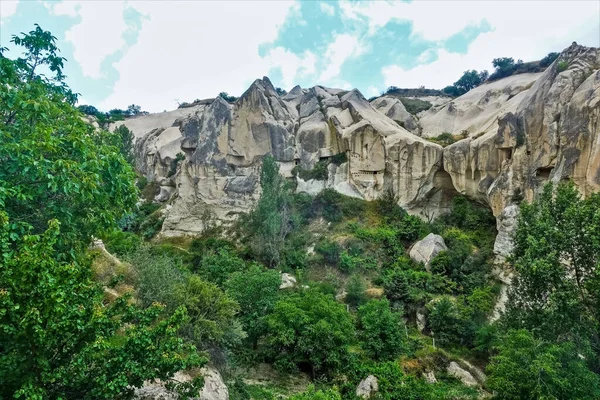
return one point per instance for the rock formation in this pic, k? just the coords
(427, 248)
(521, 132)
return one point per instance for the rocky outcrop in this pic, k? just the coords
(287, 281)
(367, 387)
(522, 131)
(223, 145)
(393, 108)
(461, 374)
(552, 134)
(214, 388)
(427, 248)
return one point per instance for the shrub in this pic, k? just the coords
(120, 243)
(309, 328)
(355, 291)
(415, 106)
(211, 312)
(380, 330)
(329, 250)
(562, 66)
(157, 276)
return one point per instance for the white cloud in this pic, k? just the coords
(327, 8)
(188, 50)
(515, 33)
(373, 91)
(291, 65)
(99, 33)
(342, 48)
(7, 9)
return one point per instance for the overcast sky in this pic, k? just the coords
(156, 53)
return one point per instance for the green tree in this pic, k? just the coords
(61, 182)
(212, 312)
(124, 143)
(309, 328)
(216, 265)
(269, 221)
(526, 368)
(54, 165)
(134, 109)
(58, 340)
(470, 79)
(355, 291)
(157, 276)
(380, 330)
(556, 291)
(256, 290)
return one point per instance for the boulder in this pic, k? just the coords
(287, 281)
(367, 387)
(214, 388)
(421, 320)
(429, 377)
(463, 375)
(506, 224)
(427, 248)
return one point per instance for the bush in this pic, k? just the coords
(311, 329)
(120, 243)
(329, 250)
(157, 276)
(335, 206)
(355, 291)
(211, 312)
(415, 106)
(562, 66)
(380, 330)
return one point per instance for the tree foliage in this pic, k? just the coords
(309, 328)
(269, 221)
(256, 290)
(54, 165)
(527, 369)
(556, 293)
(62, 182)
(380, 330)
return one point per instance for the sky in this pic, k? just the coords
(160, 53)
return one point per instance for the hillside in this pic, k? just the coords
(310, 245)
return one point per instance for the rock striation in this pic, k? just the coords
(521, 132)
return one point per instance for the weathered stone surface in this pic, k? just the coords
(463, 375)
(287, 281)
(367, 387)
(506, 224)
(429, 377)
(421, 320)
(214, 388)
(427, 248)
(524, 131)
(393, 108)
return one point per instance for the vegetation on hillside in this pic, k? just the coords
(78, 323)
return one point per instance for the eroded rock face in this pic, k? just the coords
(224, 143)
(552, 134)
(523, 131)
(463, 375)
